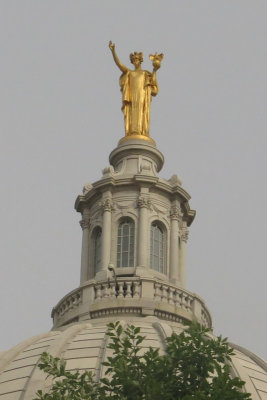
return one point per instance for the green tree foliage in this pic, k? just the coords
(194, 367)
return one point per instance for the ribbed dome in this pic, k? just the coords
(84, 346)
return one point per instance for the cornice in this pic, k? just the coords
(176, 192)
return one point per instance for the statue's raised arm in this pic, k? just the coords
(116, 58)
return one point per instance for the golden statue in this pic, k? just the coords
(137, 87)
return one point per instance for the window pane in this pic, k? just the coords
(125, 259)
(125, 230)
(125, 247)
(118, 260)
(156, 248)
(97, 243)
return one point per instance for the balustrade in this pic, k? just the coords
(121, 289)
(67, 304)
(163, 295)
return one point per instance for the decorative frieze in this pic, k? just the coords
(105, 312)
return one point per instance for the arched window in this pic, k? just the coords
(157, 247)
(97, 244)
(125, 244)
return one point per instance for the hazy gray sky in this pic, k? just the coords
(60, 118)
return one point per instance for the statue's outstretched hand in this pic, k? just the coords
(111, 45)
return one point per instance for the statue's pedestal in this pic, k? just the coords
(136, 156)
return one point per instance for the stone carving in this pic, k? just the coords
(85, 223)
(159, 208)
(115, 311)
(108, 170)
(176, 212)
(146, 167)
(125, 205)
(107, 205)
(175, 180)
(143, 202)
(87, 187)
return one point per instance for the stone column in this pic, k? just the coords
(85, 225)
(175, 215)
(143, 204)
(184, 238)
(106, 233)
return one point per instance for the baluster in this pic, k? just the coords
(157, 291)
(128, 292)
(105, 290)
(183, 303)
(190, 302)
(136, 289)
(171, 295)
(98, 293)
(120, 291)
(185, 297)
(178, 298)
(164, 294)
(112, 290)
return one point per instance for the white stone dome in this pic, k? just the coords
(84, 347)
(133, 269)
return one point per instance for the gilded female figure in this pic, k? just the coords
(137, 87)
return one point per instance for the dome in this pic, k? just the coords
(84, 347)
(135, 228)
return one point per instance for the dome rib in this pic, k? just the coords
(10, 355)
(37, 379)
(84, 346)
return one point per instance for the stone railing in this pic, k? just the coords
(125, 295)
(67, 304)
(122, 288)
(166, 293)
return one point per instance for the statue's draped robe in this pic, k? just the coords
(136, 98)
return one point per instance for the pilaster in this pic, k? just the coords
(107, 207)
(85, 225)
(143, 203)
(183, 241)
(175, 216)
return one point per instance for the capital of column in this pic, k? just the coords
(107, 205)
(143, 202)
(85, 223)
(184, 234)
(176, 213)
